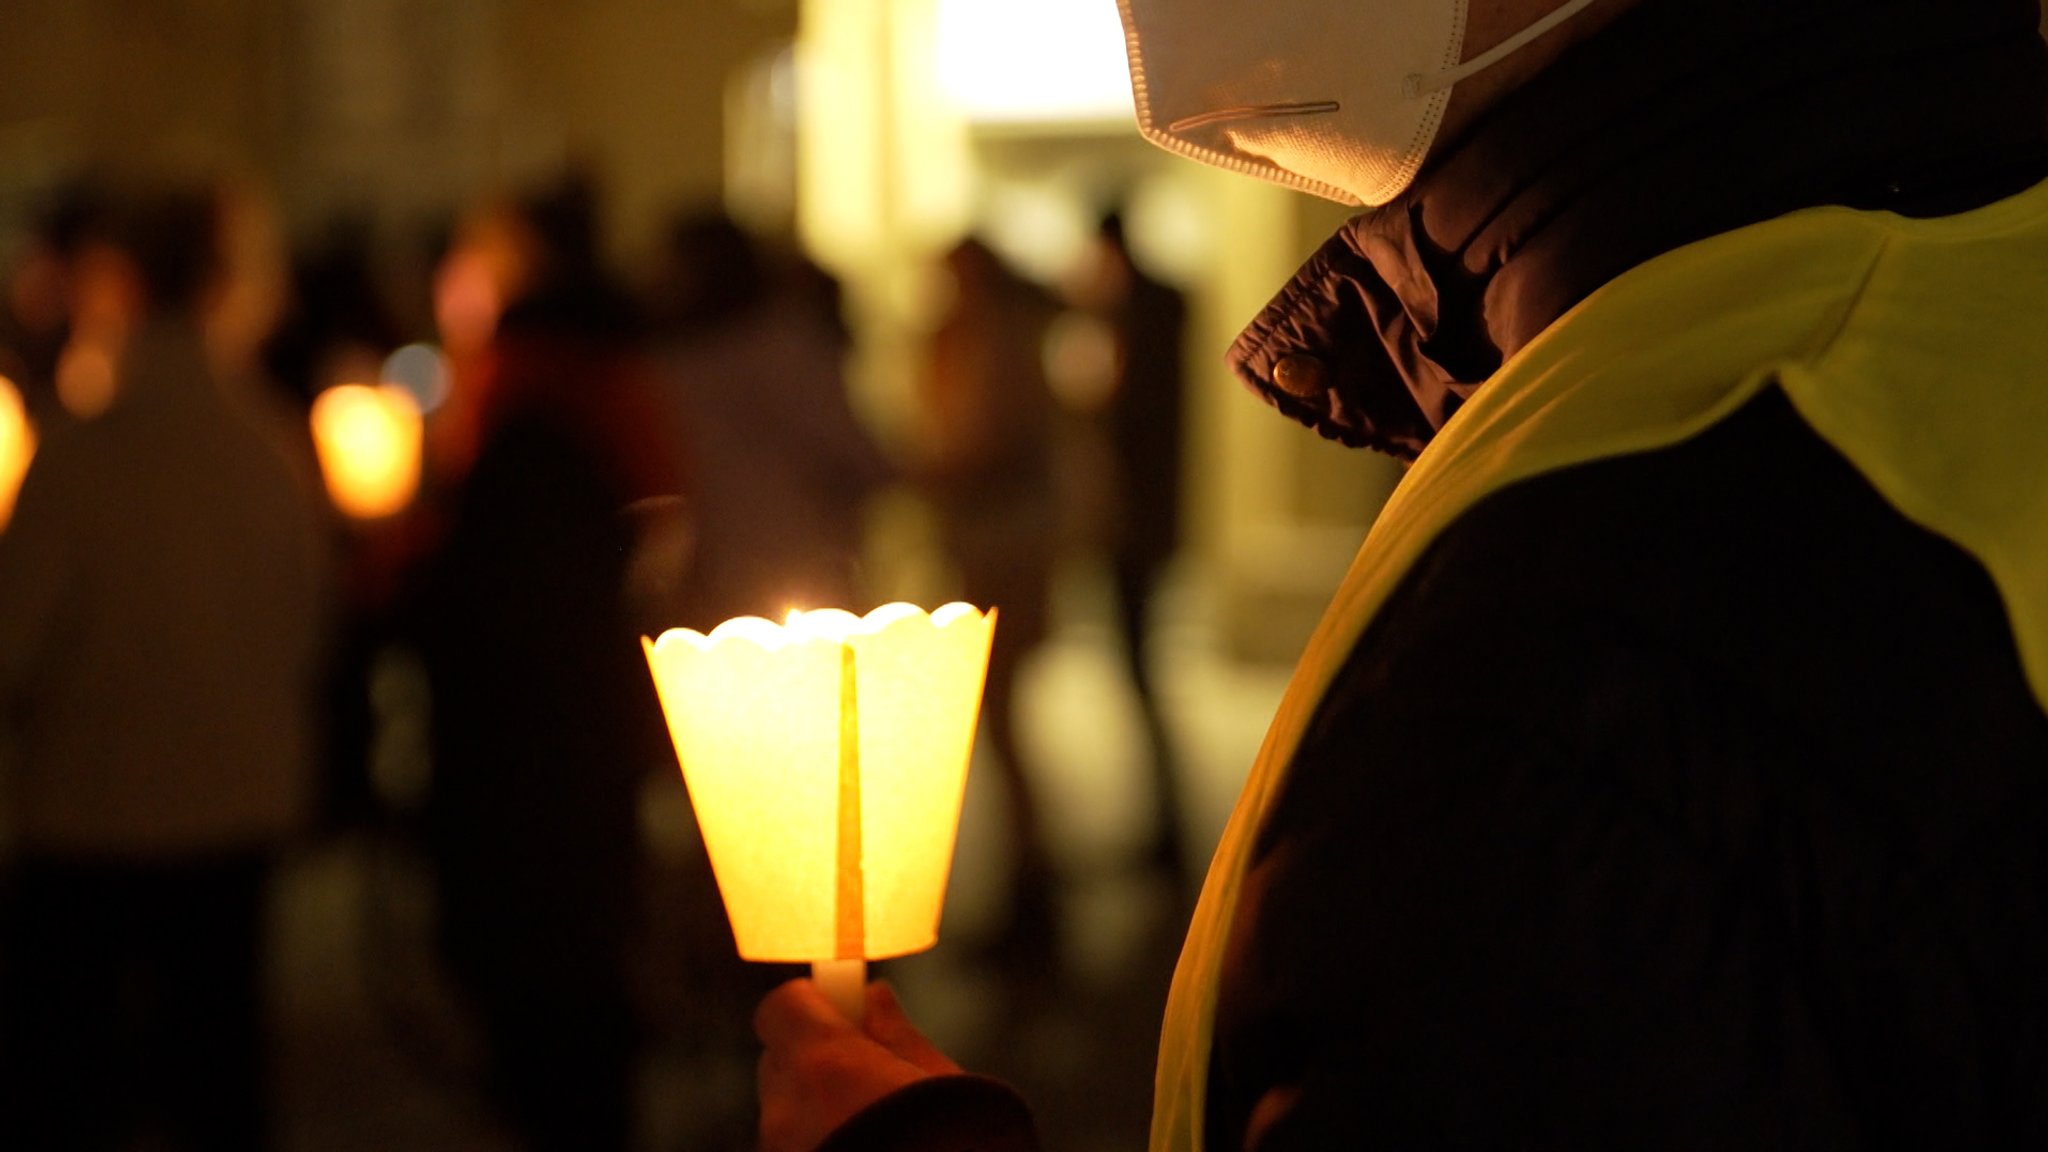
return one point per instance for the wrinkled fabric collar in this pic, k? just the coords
(1681, 120)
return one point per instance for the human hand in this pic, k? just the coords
(818, 1069)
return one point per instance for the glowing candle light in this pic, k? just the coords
(826, 759)
(17, 447)
(368, 441)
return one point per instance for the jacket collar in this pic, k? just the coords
(1681, 120)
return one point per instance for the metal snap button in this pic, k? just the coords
(1300, 376)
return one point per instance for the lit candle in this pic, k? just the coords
(17, 447)
(368, 442)
(826, 759)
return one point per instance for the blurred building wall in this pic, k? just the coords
(638, 86)
(100, 76)
(403, 109)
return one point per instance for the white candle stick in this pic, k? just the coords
(844, 983)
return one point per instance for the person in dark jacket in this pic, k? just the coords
(164, 596)
(1668, 770)
(544, 723)
(988, 437)
(1141, 422)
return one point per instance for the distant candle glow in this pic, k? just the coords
(368, 442)
(86, 384)
(17, 447)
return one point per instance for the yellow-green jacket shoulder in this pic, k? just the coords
(1917, 348)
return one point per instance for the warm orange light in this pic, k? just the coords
(826, 759)
(368, 441)
(86, 380)
(17, 447)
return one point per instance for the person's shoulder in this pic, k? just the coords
(1714, 516)
(1656, 568)
(1752, 565)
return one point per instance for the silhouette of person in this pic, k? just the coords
(1141, 418)
(161, 604)
(989, 422)
(543, 721)
(781, 466)
(35, 311)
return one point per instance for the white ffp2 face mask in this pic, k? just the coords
(1341, 98)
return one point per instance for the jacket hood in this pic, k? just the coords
(1683, 119)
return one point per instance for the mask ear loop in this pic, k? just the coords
(1416, 84)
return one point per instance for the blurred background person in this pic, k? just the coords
(336, 328)
(989, 451)
(35, 312)
(1140, 419)
(161, 603)
(488, 261)
(544, 723)
(753, 369)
